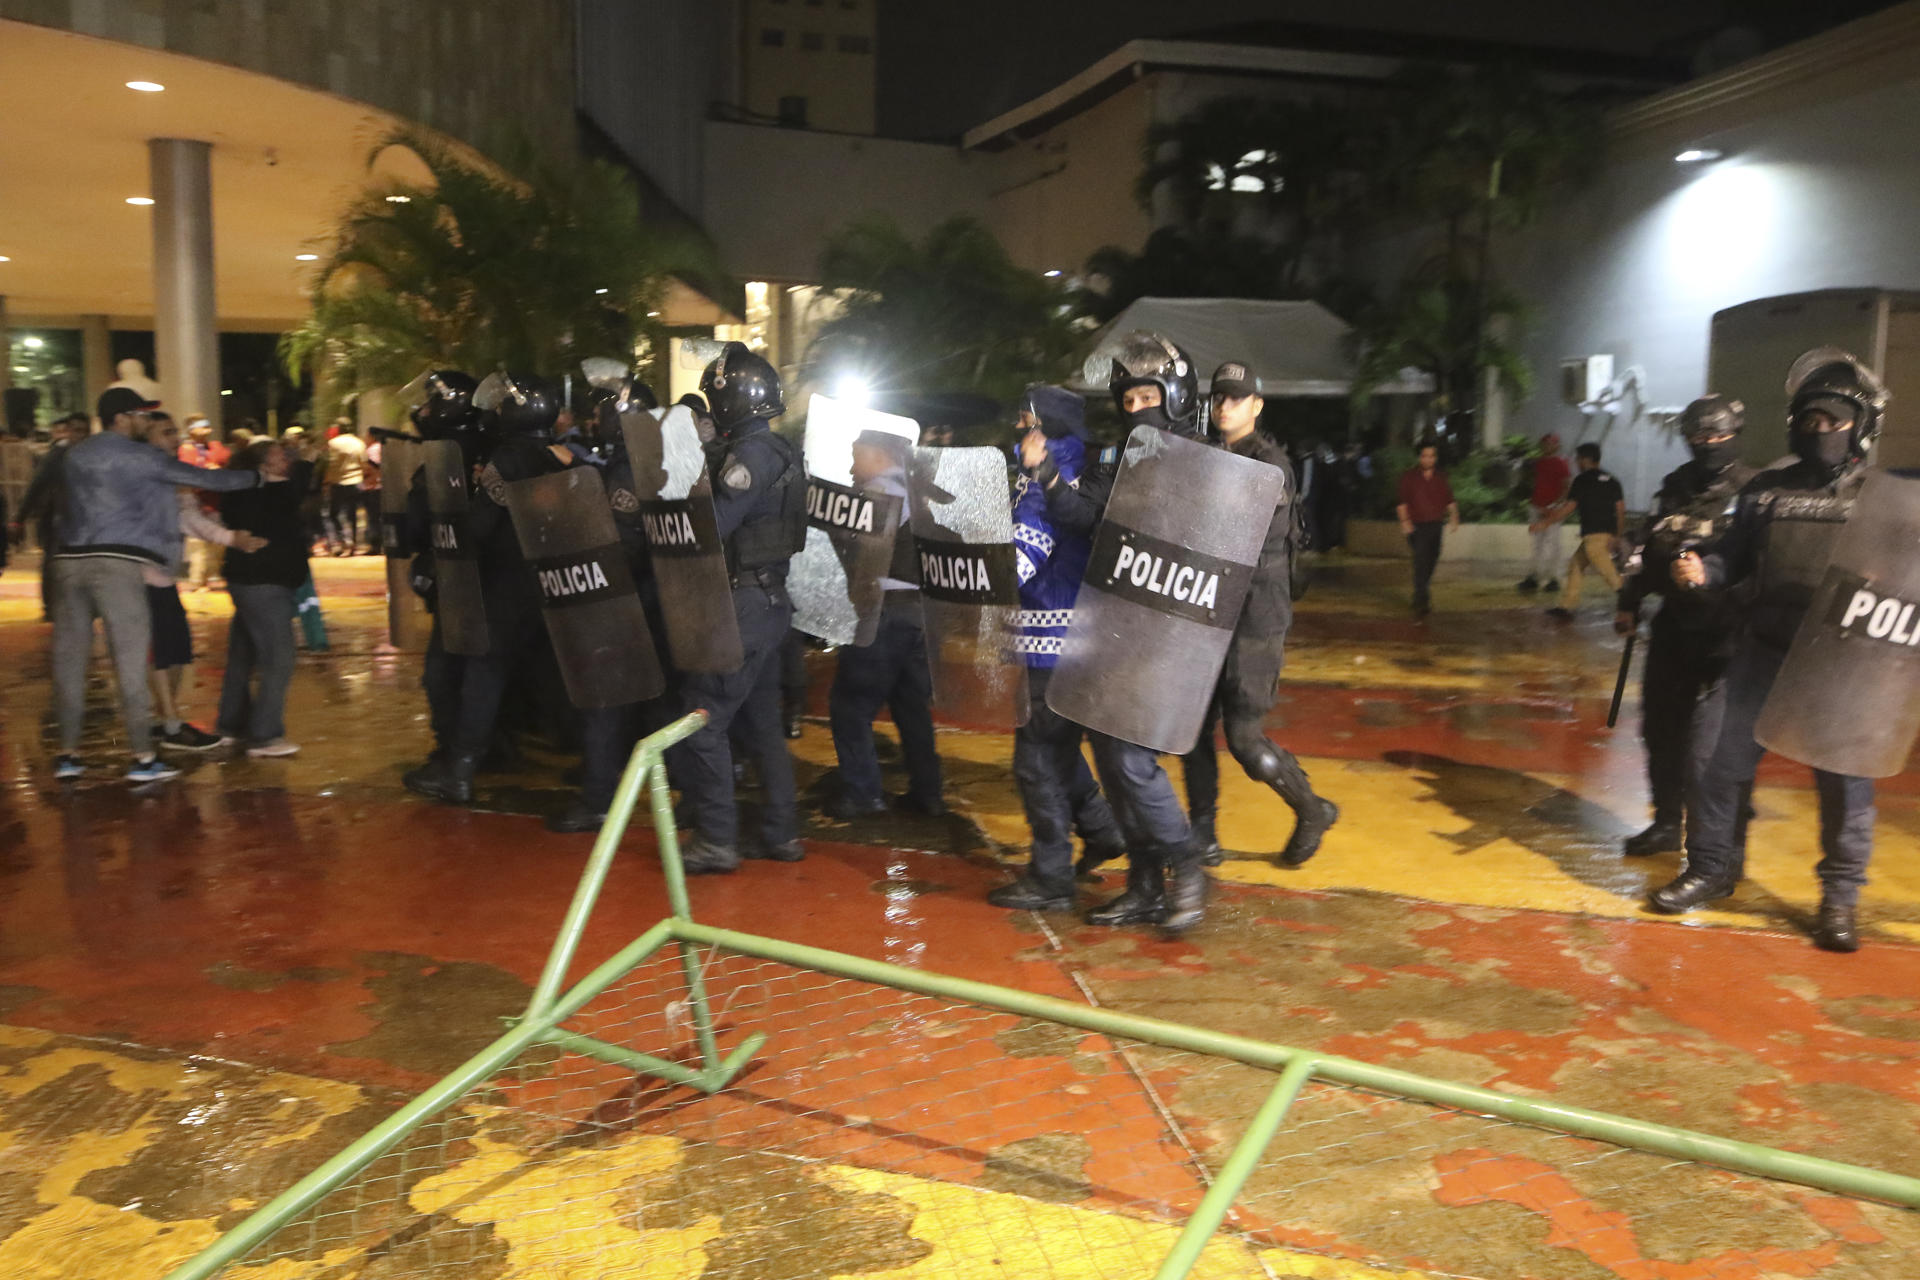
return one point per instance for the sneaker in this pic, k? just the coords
(1528, 583)
(277, 747)
(152, 769)
(67, 768)
(190, 738)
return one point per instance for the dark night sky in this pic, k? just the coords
(944, 68)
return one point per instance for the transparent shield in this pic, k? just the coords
(1171, 564)
(962, 520)
(587, 594)
(689, 564)
(856, 492)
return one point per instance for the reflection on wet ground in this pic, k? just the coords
(1470, 918)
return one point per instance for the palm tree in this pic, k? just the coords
(532, 266)
(949, 313)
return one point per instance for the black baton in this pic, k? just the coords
(1620, 682)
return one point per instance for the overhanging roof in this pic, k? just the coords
(1296, 348)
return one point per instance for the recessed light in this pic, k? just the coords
(654, 314)
(145, 86)
(306, 257)
(5, 258)
(1697, 155)
(399, 199)
(139, 199)
(1051, 274)
(597, 291)
(226, 392)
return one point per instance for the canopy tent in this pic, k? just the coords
(1296, 348)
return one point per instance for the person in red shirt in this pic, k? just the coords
(201, 450)
(1426, 506)
(1550, 476)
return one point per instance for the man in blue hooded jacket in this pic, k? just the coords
(1057, 789)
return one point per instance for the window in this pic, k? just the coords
(1254, 172)
(772, 37)
(855, 44)
(812, 41)
(793, 111)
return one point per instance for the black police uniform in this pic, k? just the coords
(892, 672)
(1768, 564)
(1249, 684)
(515, 629)
(1689, 640)
(759, 502)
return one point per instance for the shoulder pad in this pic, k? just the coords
(734, 475)
(493, 484)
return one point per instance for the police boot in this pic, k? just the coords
(1313, 814)
(1029, 894)
(1186, 895)
(1205, 843)
(1144, 901)
(1092, 856)
(448, 779)
(1661, 837)
(701, 856)
(1689, 890)
(1834, 929)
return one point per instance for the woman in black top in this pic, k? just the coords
(262, 583)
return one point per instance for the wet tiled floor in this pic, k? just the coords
(207, 985)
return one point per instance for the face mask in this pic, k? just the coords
(1152, 416)
(1716, 455)
(1825, 448)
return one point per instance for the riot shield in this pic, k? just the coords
(456, 570)
(1169, 571)
(835, 580)
(398, 460)
(962, 517)
(676, 513)
(592, 609)
(1847, 699)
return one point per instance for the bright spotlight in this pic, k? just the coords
(600, 291)
(1697, 155)
(853, 390)
(145, 86)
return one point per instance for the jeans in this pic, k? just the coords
(746, 700)
(113, 591)
(1594, 552)
(1424, 542)
(1057, 788)
(259, 642)
(343, 510)
(1545, 564)
(890, 672)
(1716, 805)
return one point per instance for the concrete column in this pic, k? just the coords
(6, 358)
(96, 358)
(186, 335)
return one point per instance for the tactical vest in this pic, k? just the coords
(778, 530)
(1799, 531)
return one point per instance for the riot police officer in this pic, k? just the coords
(1153, 384)
(1692, 631)
(759, 502)
(1250, 679)
(447, 413)
(1768, 564)
(523, 448)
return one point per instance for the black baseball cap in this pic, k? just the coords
(1235, 379)
(115, 401)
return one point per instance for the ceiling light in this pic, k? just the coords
(1697, 155)
(1051, 274)
(5, 258)
(140, 200)
(145, 86)
(654, 314)
(306, 257)
(226, 391)
(599, 291)
(33, 344)
(399, 199)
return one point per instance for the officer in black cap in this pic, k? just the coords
(893, 671)
(1250, 680)
(447, 413)
(1769, 563)
(760, 510)
(1692, 630)
(523, 447)
(1153, 384)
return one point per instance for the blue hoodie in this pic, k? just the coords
(1050, 561)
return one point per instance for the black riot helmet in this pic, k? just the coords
(741, 387)
(1834, 382)
(522, 404)
(448, 408)
(1711, 427)
(1147, 359)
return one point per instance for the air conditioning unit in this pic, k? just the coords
(1584, 378)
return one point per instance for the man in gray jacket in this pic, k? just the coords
(122, 512)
